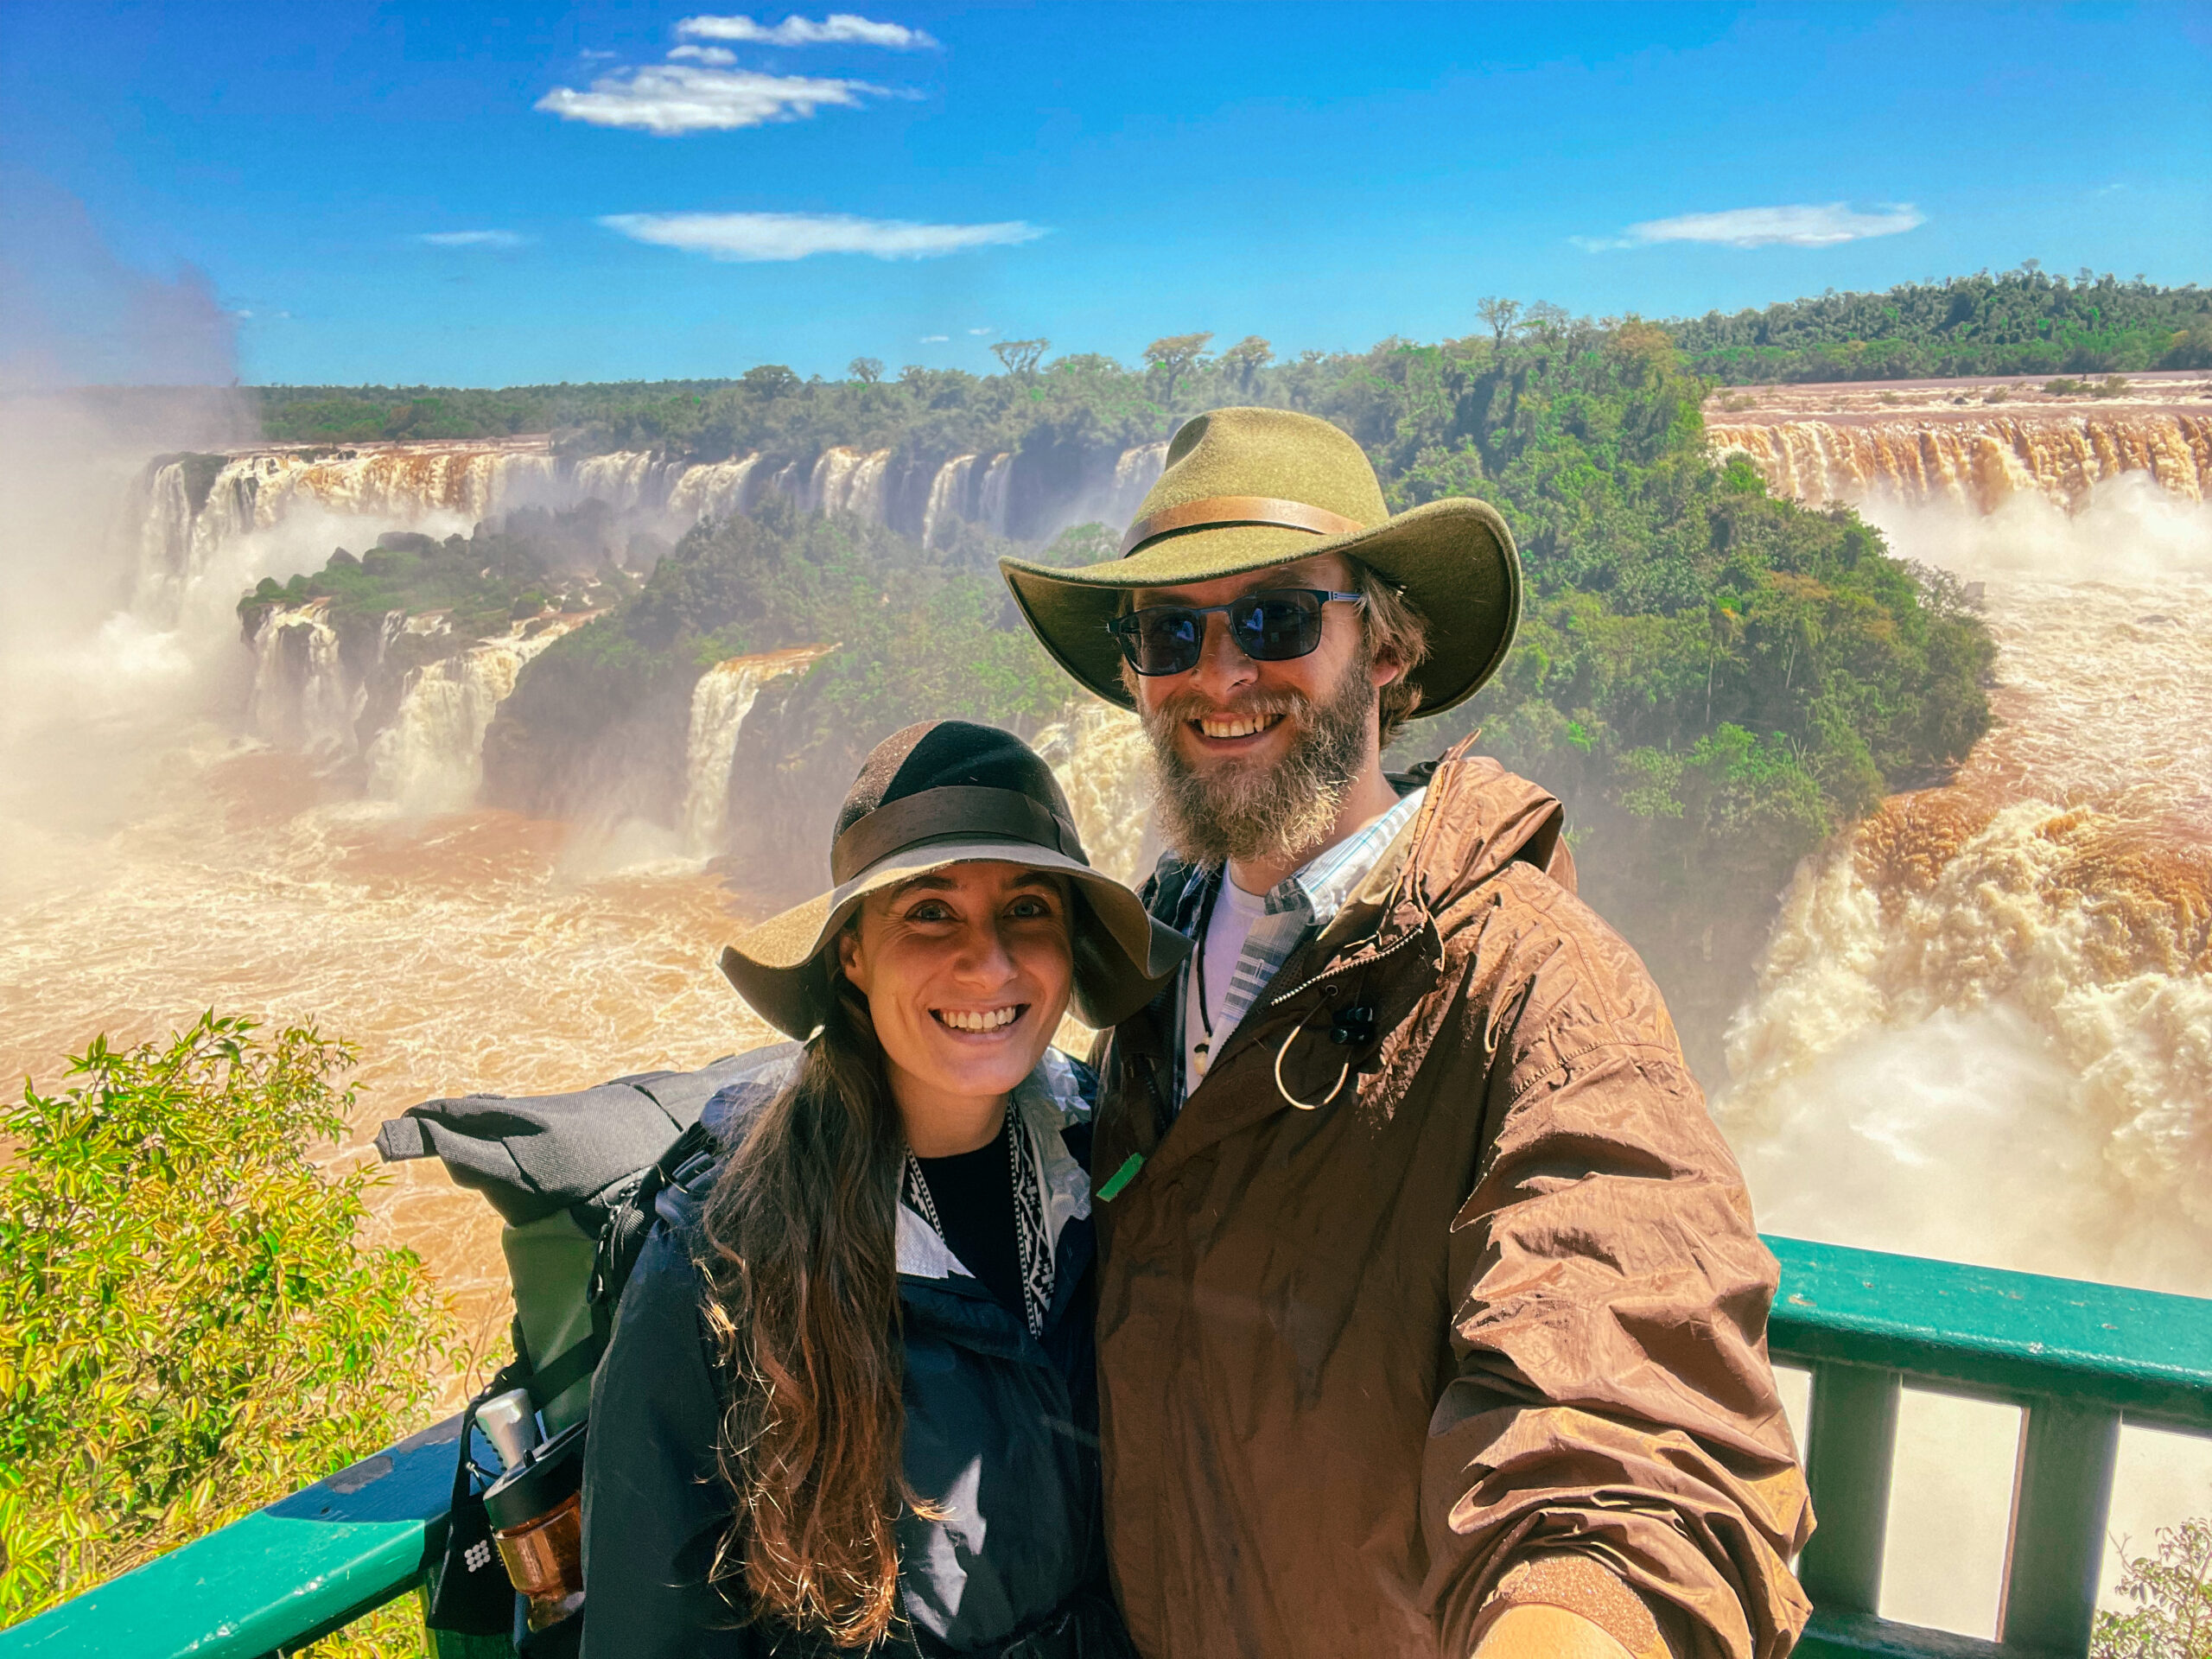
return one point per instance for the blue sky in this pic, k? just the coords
(458, 193)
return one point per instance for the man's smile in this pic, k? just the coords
(1228, 728)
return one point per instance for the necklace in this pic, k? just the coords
(1202, 1051)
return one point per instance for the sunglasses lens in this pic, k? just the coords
(1165, 641)
(1273, 626)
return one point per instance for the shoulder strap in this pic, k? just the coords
(623, 1238)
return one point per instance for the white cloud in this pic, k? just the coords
(982, 330)
(670, 98)
(935, 340)
(840, 28)
(472, 239)
(755, 237)
(1800, 226)
(714, 55)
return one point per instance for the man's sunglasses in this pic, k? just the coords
(1271, 625)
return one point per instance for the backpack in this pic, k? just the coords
(574, 1177)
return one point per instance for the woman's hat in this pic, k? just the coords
(1247, 488)
(947, 792)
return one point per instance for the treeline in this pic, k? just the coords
(340, 415)
(2023, 322)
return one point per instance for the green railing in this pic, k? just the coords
(2079, 1358)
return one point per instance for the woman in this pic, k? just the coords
(850, 1399)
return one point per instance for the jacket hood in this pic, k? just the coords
(1477, 818)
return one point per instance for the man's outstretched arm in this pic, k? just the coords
(1611, 1447)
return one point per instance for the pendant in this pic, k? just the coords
(1198, 1058)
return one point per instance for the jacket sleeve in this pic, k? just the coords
(1613, 1421)
(654, 1510)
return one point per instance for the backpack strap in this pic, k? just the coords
(623, 1239)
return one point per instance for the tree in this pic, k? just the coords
(1498, 314)
(191, 1324)
(866, 370)
(2172, 1593)
(1244, 360)
(1169, 356)
(770, 380)
(1019, 357)
(1549, 323)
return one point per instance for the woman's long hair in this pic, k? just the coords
(802, 1303)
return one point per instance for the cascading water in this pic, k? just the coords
(713, 490)
(430, 758)
(1983, 1026)
(1978, 460)
(998, 482)
(948, 494)
(300, 699)
(1135, 474)
(1970, 446)
(1103, 763)
(719, 702)
(848, 480)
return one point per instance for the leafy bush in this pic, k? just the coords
(2172, 1593)
(191, 1324)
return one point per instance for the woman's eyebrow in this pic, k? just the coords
(921, 884)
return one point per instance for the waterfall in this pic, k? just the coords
(948, 494)
(1135, 474)
(1104, 762)
(628, 482)
(713, 490)
(719, 702)
(1976, 460)
(300, 699)
(847, 481)
(430, 758)
(2011, 975)
(998, 480)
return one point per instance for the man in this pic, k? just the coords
(1432, 1318)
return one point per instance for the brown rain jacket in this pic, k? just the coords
(1499, 1312)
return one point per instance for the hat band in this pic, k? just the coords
(967, 809)
(1216, 510)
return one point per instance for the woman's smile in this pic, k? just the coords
(981, 1022)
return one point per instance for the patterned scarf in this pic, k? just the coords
(1034, 1243)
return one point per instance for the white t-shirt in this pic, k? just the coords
(1235, 913)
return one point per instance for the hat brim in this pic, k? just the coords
(1455, 559)
(1122, 957)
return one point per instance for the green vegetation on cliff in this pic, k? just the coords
(191, 1323)
(2023, 322)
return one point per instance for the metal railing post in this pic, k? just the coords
(2062, 1495)
(1853, 1434)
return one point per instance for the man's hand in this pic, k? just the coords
(1530, 1631)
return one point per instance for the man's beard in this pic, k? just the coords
(1254, 810)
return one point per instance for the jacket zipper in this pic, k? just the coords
(1278, 1000)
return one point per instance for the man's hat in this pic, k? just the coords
(947, 792)
(1247, 488)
